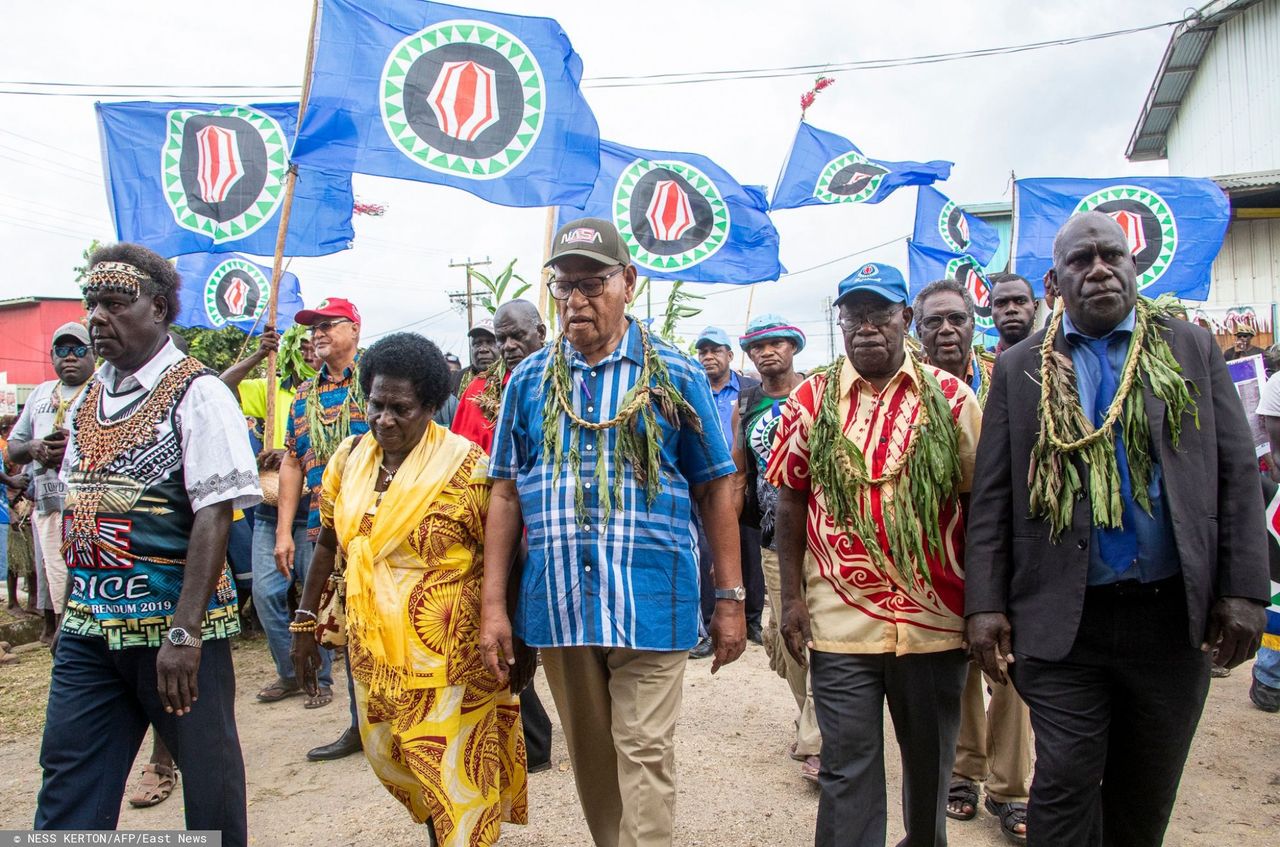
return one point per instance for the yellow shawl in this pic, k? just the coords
(376, 613)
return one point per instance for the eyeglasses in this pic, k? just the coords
(875, 317)
(62, 351)
(590, 286)
(956, 319)
(326, 326)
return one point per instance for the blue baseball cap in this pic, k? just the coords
(883, 280)
(715, 335)
(769, 326)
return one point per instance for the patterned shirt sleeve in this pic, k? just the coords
(511, 433)
(291, 431)
(968, 418)
(217, 461)
(789, 461)
(332, 482)
(703, 456)
(476, 501)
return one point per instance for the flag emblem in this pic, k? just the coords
(967, 271)
(849, 178)
(669, 213)
(237, 290)
(1148, 224)
(463, 98)
(953, 226)
(223, 171)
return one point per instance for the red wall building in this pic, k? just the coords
(26, 327)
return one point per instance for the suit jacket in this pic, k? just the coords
(1211, 485)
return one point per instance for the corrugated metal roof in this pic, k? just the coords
(24, 301)
(1258, 179)
(1187, 46)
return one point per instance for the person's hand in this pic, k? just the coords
(177, 669)
(284, 552)
(796, 634)
(1234, 631)
(20, 481)
(49, 450)
(728, 632)
(496, 647)
(990, 641)
(269, 341)
(305, 653)
(526, 665)
(269, 460)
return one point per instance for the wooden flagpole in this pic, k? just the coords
(751, 298)
(277, 267)
(547, 311)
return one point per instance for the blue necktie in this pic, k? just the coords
(1118, 547)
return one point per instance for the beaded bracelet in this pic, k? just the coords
(302, 626)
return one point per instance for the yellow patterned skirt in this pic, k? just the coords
(454, 755)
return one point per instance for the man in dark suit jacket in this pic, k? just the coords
(1106, 632)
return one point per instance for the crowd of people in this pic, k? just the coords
(1009, 548)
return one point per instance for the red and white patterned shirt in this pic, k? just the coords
(855, 606)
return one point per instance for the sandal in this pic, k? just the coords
(962, 799)
(809, 770)
(791, 751)
(323, 697)
(279, 690)
(1011, 815)
(157, 783)
(7, 658)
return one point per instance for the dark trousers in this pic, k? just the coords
(537, 727)
(1113, 721)
(100, 704)
(849, 693)
(752, 574)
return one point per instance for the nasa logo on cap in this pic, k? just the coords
(581, 235)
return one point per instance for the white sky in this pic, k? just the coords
(1064, 111)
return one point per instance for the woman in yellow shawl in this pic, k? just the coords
(407, 508)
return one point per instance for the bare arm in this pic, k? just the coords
(789, 523)
(304, 651)
(290, 494)
(720, 522)
(233, 375)
(502, 533)
(177, 668)
(738, 450)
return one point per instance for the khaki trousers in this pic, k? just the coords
(808, 737)
(618, 708)
(48, 534)
(995, 743)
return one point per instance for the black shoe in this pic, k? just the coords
(538, 767)
(1264, 697)
(755, 633)
(347, 743)
(703, 648)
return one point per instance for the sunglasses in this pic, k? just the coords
(326, 326)
(956, 319)
(62, 351)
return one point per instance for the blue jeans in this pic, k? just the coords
(100, 704)
(4, 553)
(271, 594)
(1266, 668)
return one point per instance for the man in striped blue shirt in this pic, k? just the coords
(609, 590)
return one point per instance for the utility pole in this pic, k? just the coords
(831, 328)
(468, 264)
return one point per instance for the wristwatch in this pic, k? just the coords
(179, 637)
(738, 594)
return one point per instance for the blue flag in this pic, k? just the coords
(481, 101)
(826, 168)
(225, 288)
(943, 225)
(683, 217)
(208, 178)
(1175, 226)
(928, 265)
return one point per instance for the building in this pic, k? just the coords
(1214, 111)
(26, 325)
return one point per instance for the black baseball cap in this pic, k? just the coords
(593, 238)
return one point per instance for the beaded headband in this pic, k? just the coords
(117, 277)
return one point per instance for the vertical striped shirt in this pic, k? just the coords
(631, 581)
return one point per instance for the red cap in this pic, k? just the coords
(330, 307)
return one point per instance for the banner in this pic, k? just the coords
(927, 265)
(825, 168)
(683, 217)
(476, 100)
(1175, 226)
(1272, 495)
(942, 225)
(208, 178)
(220, 289)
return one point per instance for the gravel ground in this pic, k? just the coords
(737, 785)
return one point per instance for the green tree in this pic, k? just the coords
(83, 270)
(679, 306)
(218, 349)
(507, 285)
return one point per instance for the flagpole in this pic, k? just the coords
(548, 232)
(277, 267)
(751, 296)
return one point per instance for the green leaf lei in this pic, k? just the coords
(924, 476)
(1054, 479)
(325, 437)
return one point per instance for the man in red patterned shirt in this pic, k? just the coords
(871, 459)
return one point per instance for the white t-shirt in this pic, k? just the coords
(1269, 403)
(35, 422)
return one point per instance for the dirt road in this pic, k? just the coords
(737, 786)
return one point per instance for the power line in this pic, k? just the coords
(77, 89)
(48, 146)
